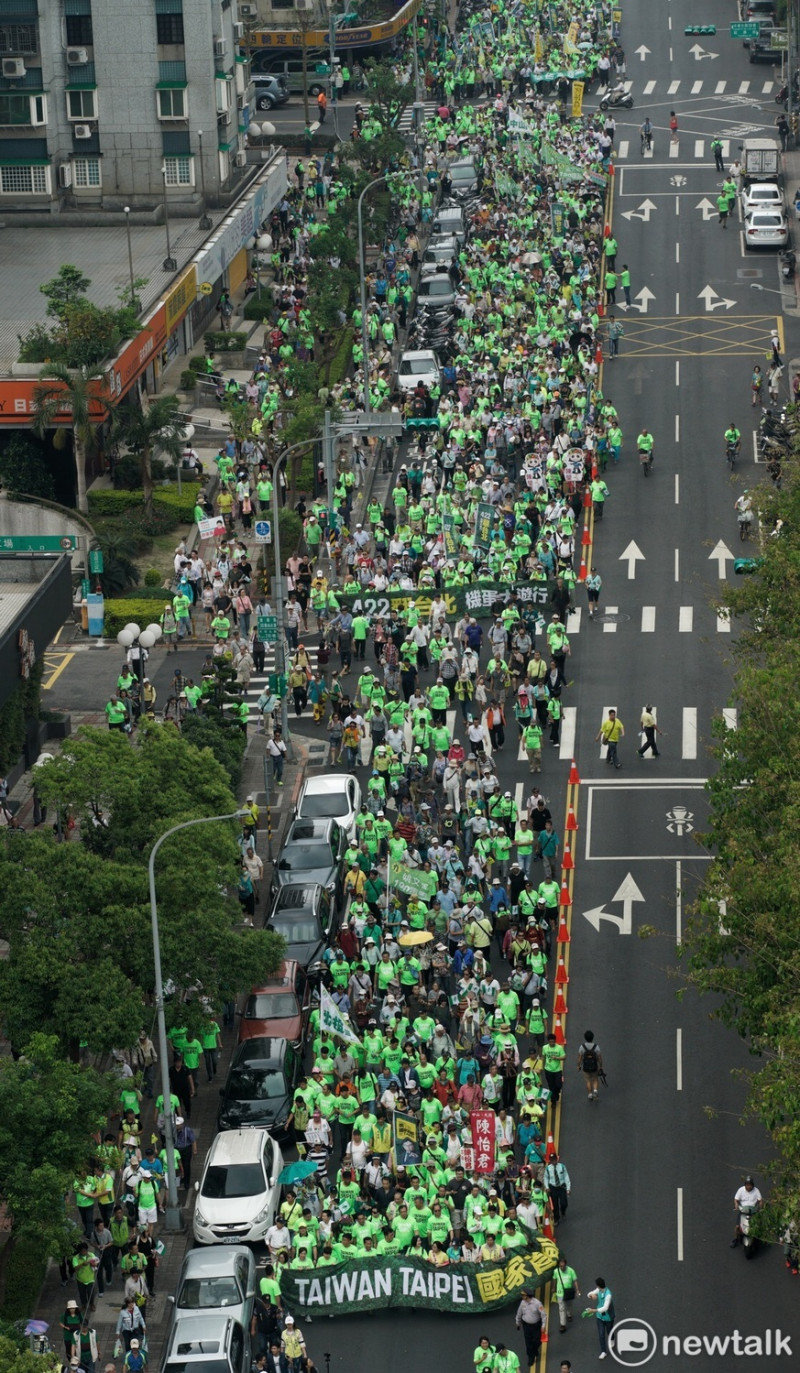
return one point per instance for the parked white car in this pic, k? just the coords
(238, 1195)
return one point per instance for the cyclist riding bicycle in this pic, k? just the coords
(644, 443)
(733, 438)
(646, 131)
(744, 509)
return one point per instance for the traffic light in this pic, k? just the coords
(707, 29)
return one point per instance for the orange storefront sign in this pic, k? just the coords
(137, 355)
(17, 401)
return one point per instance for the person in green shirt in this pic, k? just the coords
(553, 1056)
(85, 1193)
(209, 1039)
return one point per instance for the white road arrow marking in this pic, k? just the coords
(632, 556)
(708, 207)
(642, 297)
(627, 893)
(644, 212)
(700, 53)
(642, 52)
(712, 300)
(722, 556)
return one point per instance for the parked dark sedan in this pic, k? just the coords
(260, 1086)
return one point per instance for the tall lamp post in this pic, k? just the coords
(136, 304)
(170, 263)
(205, 222)
(363, 275)
(173, 1219)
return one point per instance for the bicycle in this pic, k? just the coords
(731, 453)
(647, 140)
(646, 460)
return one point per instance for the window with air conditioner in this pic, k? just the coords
(18, 40)
(82, 104)
(86, 175)
(179, 171)
(172, 104)
(17, 109)
(24, 180)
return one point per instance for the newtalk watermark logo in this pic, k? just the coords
(635, 1342)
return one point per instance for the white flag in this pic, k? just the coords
(332, 1021)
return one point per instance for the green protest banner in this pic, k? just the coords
(413, 881)
(450, 536)
(368, 1283)
(485, 517)
(478, 599)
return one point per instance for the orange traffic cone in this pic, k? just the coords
(561, 974)
(566, 862)
(572, 823)
(564, 899)
(560, 1005)
(598, 354)
(607, 231)
(547, 1227)
(582, 571)
(550, 1146)
(586, 538)
(573, 778)
(558, 1031)
(563, 936)
(587, 495)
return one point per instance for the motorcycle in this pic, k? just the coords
(787, 260)
(782, 97)
(617, 98)
(646, 460)
(748, 1240)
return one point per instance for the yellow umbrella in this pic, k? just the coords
(415, 937)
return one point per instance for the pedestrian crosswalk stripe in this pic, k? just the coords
(724, 622)
(610, 626)
(623, 148)
(697, 86)
(729, 716)
(406, 121)
(708, 87)
(689, 732)
(766, 89)
(673, 87)
(685, 619)
(674, 149)
(699, 145)
(574, 620)
(719, 89)
(569, 719)
(519, 797)
(744, 87)
(648, 619)
(649, 87)
(603, 718)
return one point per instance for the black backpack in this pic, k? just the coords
(589, 1060)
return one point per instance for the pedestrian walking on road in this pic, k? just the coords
(673, 127)
(716, 148)
(648, 724)
(565, 1283)
(625, 282)
(611, 731)
(722, 206)
(594, 583)
(553, 1055)
(590, 1063)
(614, 336)
(556, 1180)
(604, 1313)
(531, 1319)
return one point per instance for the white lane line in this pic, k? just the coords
(677, 372)
(677, 428)
(744, 87)
(686, 619)
(677, 302)
(574, 620)
(724, 621)
(610, 628)
(729, 716)
(648, 619)
(680, 1198)
(623, 148)
(689, 732)
(649, 87)
(697, 86)
(677, 252)
(679, 1057)
(674, 149)
(720, 87)
(678, 924)
(569, 721)
(603, 718)
(677, 564)
(699, 144)
(677, 488)
(672, 88)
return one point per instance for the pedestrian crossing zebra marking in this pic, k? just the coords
(689, 733)
(609, 625)
(686, 619)
(648, 619)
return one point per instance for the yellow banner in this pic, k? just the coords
(577, 99)
(182, 295)
(571, 38)
(538, 48)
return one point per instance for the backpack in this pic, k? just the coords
(589, 1060)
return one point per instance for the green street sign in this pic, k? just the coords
(38, 543)
(277, 683)
(86, 586)
(267, 626)
(95, 560)
(744, 30)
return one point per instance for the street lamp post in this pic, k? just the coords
(173, 1219)
(135, 302)
(362, 264)
(170, 263)
(205, 222)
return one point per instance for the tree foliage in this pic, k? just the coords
(146, 432)
(23, 470)
(61, 391)
(746, 952)
(77, 916)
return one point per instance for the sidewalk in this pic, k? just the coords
(54, 1294)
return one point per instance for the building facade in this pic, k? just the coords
(112, 103)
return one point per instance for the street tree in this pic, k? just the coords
(49, 1108)
(146, 431)
(62, 391)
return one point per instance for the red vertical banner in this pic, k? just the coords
(482, 1124)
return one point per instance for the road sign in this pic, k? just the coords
(263, 531)
(205, 288)
(744, 30)
(267, 626)
(86, 586)
(379, 425)
(277, 683)
(778, 39)
(38, 543)
(95, 560)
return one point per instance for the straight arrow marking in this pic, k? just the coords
(631, 556)
(722, 556)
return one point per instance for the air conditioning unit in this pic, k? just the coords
(13, 68)
(248, 12)
(220, 47)
(77, 57)
(65, 175)
(303, 4)
(238, 31)
(241, 159)
(83, 130)
(224, 118)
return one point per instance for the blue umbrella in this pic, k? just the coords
(295, 1172)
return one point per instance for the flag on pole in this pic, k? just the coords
(332, 1021)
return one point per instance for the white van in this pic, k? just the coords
(450, 220)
